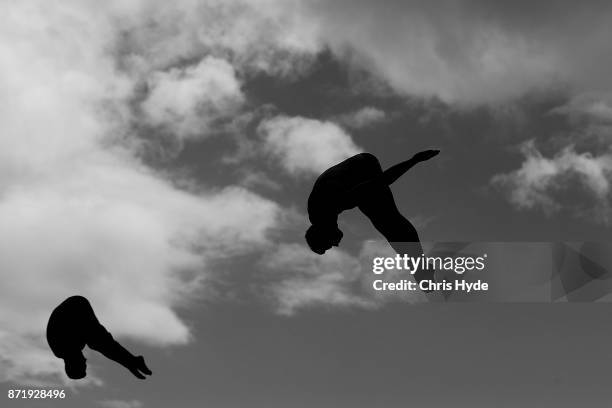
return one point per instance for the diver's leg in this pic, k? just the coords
(404, 239)
(374, 177)
(380, 208)
(394, 172)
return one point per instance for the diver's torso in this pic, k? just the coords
(329, 193)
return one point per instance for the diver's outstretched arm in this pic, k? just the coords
(103, 342)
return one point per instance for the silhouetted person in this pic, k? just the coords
(72, 326)
(360, 181)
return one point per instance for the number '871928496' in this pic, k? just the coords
(36, 393)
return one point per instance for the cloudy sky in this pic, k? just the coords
(156, 158)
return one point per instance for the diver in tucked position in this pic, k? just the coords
(73, 325)
(360, 181)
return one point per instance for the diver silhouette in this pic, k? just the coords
(72, 325)
(360, 181)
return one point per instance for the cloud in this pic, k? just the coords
(253, 179)
(300, 279)
(187, 101)
(80, 213)
(540, 180)
(270, 36)
(466, 53)
(312, 280)
(591, 107)
(305, 146)
(472, 52)
(364, 117)
(120, 404)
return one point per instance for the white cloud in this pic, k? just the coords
(306, 146)
(312, 280)
(472, 52)
(363, 117)
(262, 35)
(120, 404)
(468, 53)
(79, 213)
(539, 179)
(255, 180)
(300, 279)
(593, 106)
(187, 101)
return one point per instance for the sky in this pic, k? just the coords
(156, 157)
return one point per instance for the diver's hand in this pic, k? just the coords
(138, 367)
(425, 155)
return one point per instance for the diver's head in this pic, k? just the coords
(322, 237)
(75, 366)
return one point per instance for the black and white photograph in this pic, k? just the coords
(305, 203)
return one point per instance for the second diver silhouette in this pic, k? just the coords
(73, 325)
(360, 181)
